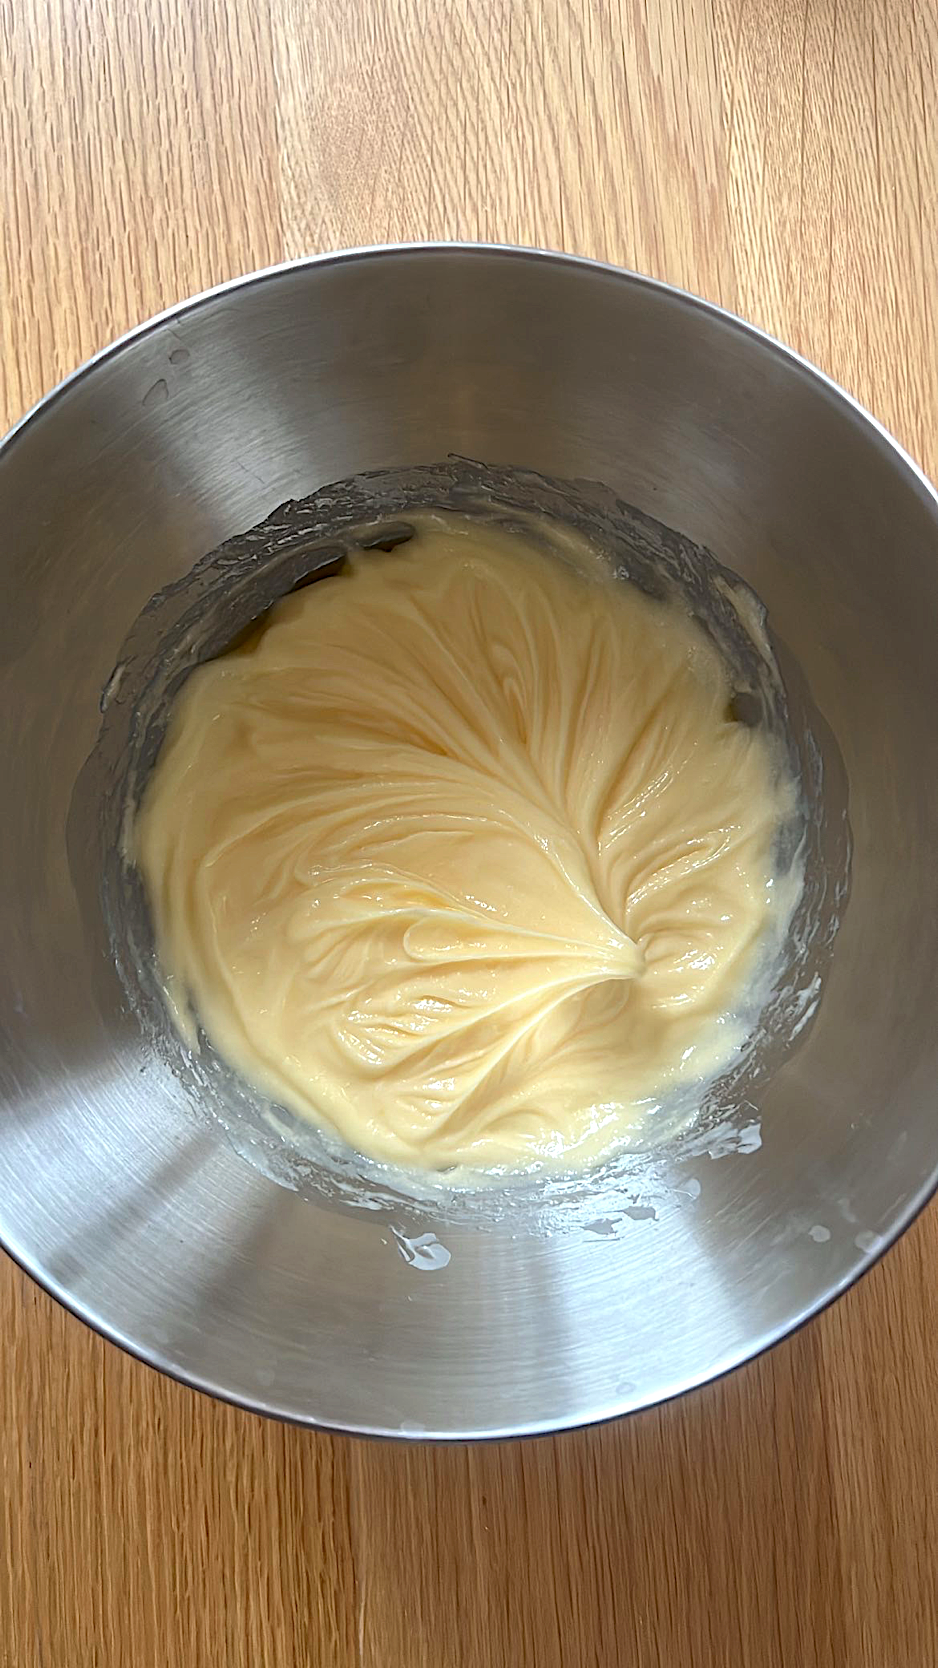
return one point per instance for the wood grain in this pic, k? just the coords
(779, 156)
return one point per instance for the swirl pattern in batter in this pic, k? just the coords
(462, 856)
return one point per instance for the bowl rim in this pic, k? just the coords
(833, 392)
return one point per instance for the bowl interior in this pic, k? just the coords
(195, 1244)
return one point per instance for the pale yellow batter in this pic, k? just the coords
(462, 856)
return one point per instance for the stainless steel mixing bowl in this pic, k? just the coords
(173, 1236)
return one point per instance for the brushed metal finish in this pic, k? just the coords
(138, 1212)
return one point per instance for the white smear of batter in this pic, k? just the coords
(422, 1251)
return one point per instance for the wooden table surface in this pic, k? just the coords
(778, 156)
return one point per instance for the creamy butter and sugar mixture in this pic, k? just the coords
(462, 856)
